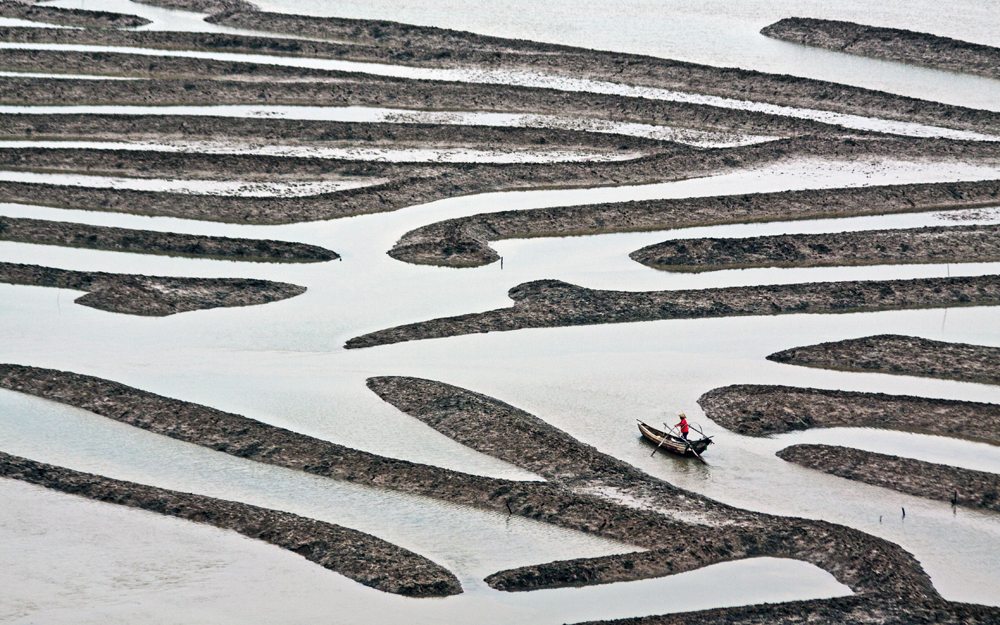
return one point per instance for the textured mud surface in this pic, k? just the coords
(960, 487)
(890, 44)
(968, 244)
(150, 296)
(69, 17)
(758, 410)
(902, 355)
(407, 184)
(504, 432)
(841, 610)
(361, 557)
(580, 494)
(552, 303)
(373, 40)
(44, 232)
(464, 242)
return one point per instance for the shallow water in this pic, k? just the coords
(284, 363)
(723, 33)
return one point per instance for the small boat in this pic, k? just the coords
(676, 444)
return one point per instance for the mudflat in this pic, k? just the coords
(362, 557)
(960, 487)
(150, 296)
(900, 355)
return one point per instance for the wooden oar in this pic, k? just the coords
(658, 446)
(689, 446)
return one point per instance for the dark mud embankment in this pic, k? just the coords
(410, 183)
(889, 44)
(407, 49)
(552, 303)
(900, 355)
(382, 41)
(464, 242)
(401, 93)
(361, 557)
(317, 133)
(79, 18)
(758, 410)
(837, 611)
(714, 532)
(43, 232)
(960, 487)
(151, 296)
(968, 244)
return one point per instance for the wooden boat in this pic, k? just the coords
(675, 444)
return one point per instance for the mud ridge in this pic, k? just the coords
(889, 44)
(43, 232)
(464, 242)
(361, 557)
(759, 410)
(552, 303)
(150, 296)
(721, 533)
(69, 17)
(413, 184)
(379, 40)
(901, 355)
(961, 244)
(836, 611)
(407, 49)
(347, 89)
(960, 487)
(713, 532)
(294, 132)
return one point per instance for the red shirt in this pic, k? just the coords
(684, 426)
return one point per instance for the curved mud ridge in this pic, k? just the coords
(464, 242)
(69, 17)
(151, 296)
(361, 557)
(552, 303)
(960, 244)
(889, 44)
(901, 355)
(837, 611)
(960, 487)
(43, 232)
(759, 410)
(315, 133)
(585, 503)
(713, 532)
(384, 41)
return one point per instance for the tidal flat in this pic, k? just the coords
(499, 471)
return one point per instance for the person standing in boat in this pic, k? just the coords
(683, 426)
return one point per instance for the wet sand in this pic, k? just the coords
(150, 296)
(889, 44)
(552, 304)
(756, 410)
(969, 244)
(362, 557)
(43, 232)
(901, 355)
(960, 487)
